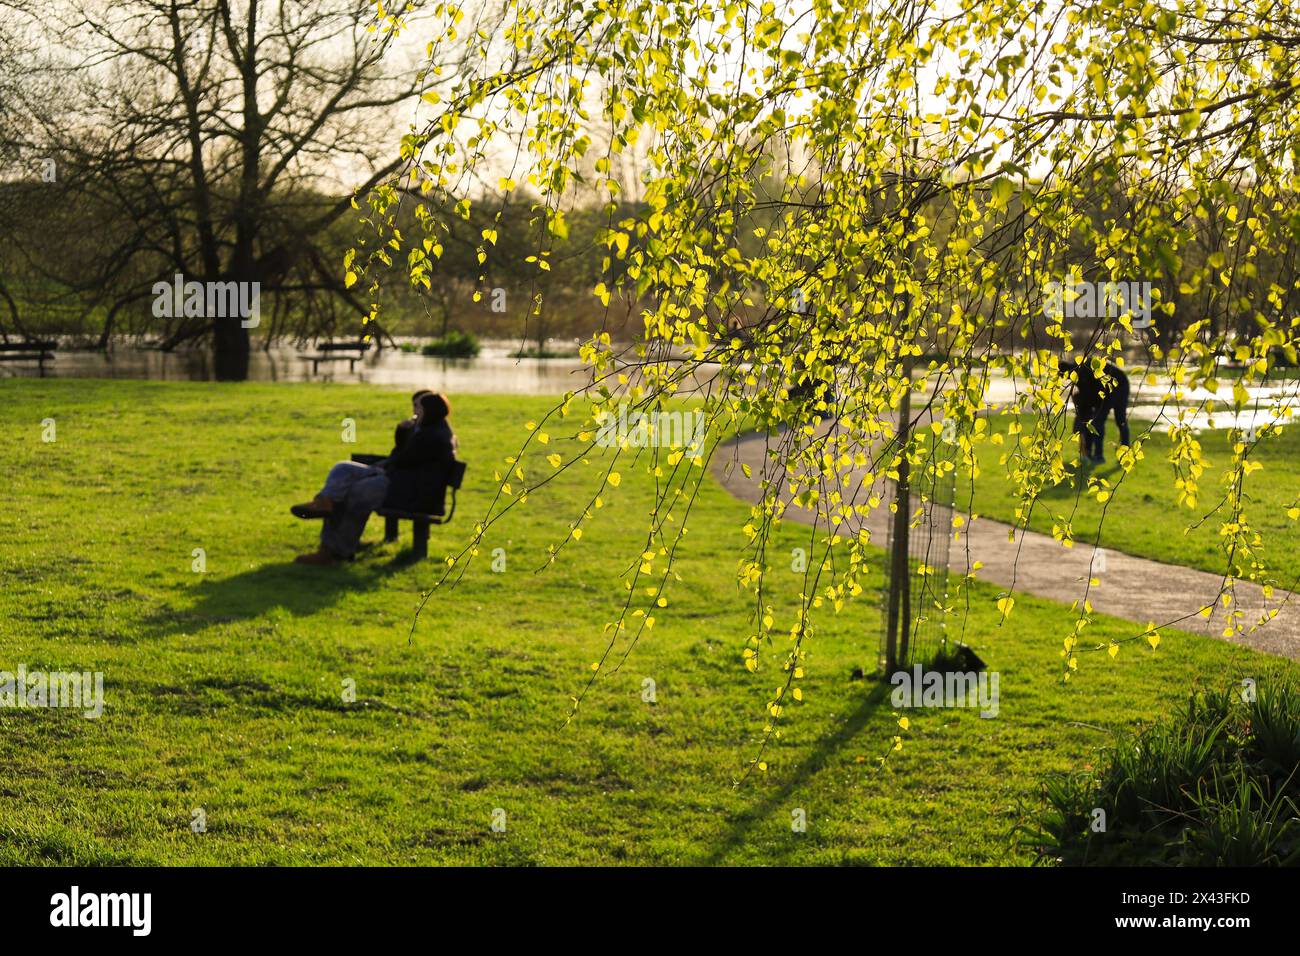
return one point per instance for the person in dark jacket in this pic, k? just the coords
(407, 425)
(1095, 399)
(412, 478)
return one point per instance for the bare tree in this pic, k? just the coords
(12, 184)
(219, 140)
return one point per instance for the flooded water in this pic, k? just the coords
(1247, 420)
(1165, 404)
(497, 371)
(494, 371)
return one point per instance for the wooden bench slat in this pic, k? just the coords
(39, 352)
(411, 516)
(421, 522)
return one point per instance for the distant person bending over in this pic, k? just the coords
(1094, 401)
(412, 478)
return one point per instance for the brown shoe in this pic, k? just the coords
(323, 556)
(318, 507)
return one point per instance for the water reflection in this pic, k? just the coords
(494, 371)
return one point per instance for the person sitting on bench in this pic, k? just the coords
(412, 478)
(407, 425)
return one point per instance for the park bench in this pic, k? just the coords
(420, 522)
(34, 351)
(350, 352)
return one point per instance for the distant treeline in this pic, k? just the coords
(505, 296)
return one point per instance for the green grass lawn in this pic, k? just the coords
(224, 688)
(1144, 517)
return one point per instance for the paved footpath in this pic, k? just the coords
(1136, 589)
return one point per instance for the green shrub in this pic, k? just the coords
(1216, 785)
(454, 344)
(533, 352)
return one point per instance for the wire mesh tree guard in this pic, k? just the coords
(914, 595)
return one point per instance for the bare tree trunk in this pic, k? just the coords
(899, 616)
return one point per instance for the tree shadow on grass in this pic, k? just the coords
(296, 589)
(823, 753)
